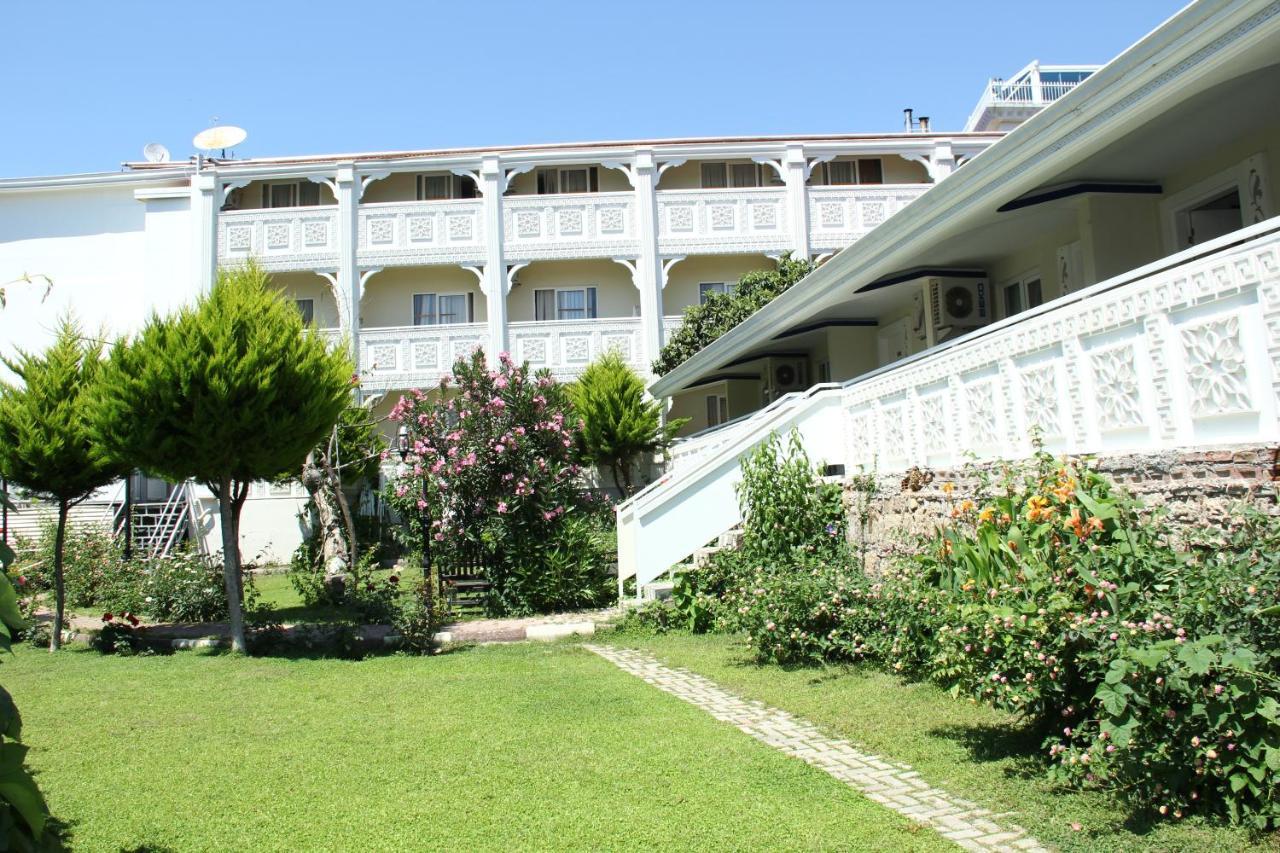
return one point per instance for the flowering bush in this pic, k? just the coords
(497, 452)
(183, 587)
(1149, 670)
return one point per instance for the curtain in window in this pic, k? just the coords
(544, 305)
(547, 184)
(746, 175)
(870, 172)
(308, 193)
(307, 308)
(573, 181)
(714, 176)
(452, 308)
(424, 309)
(571, 305)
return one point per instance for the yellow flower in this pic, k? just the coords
(987, 514)
(948, 488)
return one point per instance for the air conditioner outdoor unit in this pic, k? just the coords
(784, 375)
(955, 306)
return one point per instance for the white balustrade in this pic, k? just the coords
(576, 225)
(421, 232)
(723, 221)
(415, 356)
(840, 215)
(280, 238)
(1183, 352)
(568, 346)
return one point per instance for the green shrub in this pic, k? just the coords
(184, 587)
(790, 514)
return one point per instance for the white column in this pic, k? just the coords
(347, 189)
(205, 201)
(795, 174)
(649, 274)
(493, 183)
(943, 160)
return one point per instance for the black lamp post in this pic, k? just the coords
(424, 513)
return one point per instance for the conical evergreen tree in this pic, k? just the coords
(231, 390)
(46, 435)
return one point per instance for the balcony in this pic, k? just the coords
(568, 346)
(422, 232)
(415, 356)
(840, 215)
(731, 221)
(578, 225)
(288, 238)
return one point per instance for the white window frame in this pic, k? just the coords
(766, 176)
(856, 166)
(1238, 177)
(559, 173)
(310, 308)
(468, 307)
(717, 409)
(587, 300)
(1021, 282)
(295, 188)
(726, 287)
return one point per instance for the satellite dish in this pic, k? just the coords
(220, 138)
(155, 153)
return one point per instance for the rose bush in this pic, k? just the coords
(497, 452)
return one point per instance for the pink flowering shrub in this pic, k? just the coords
(1148, 669)
(498, 451)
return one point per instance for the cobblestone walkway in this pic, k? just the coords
(894, 785)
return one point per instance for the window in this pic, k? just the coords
(578, 179)
(717, 409)
(715, 176)
(567, 304)
(706, 288)
(307, 308)
(433, 309)
(846, 172)
(441, 187)
(1210, 219)
(291, 194)
(1023, 293)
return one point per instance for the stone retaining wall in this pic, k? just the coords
(1196, 488)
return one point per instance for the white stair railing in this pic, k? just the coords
(1181, 353)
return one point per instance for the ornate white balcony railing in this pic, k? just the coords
(422, 232)
(288, 238)
(840, 215)
(415, 356)
(578, 225)
(723, 221)
(1183, 352)
(568, 346)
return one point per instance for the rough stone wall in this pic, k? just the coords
(1197, 488)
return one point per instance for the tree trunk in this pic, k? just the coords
(59, 587)
(229, 514)
(334, 554)
(335, 482)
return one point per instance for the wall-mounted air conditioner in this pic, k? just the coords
(950, 307)
(784, 375)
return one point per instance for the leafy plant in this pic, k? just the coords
(619, 426)
(228, 391)
(790, 515)
(47, 444)
(705, 323)
(496, 451)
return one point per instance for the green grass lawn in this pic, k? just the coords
(505, 747)
(970, 750)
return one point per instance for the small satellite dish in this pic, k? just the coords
(155, 153)
(220, 138)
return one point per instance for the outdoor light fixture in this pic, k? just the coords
(402, 442)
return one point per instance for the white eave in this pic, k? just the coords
(94, 179)
(1143, 81)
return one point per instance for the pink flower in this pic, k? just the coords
(502, 506)
(422, 504)
(439, 537)
(501, 382)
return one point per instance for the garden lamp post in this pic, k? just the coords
(424, 512)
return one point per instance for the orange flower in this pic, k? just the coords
(948, 488)
(1076, 523)
(966, 505)
(1095, 524)
(987, 514)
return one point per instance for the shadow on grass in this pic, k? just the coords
(994, 742)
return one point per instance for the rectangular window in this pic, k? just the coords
(424, 309)
(714, 176)
(578, 179)
(568, 304)
(707, 288)
(717, 410)
(842, 172)
(573, 181)
(434, 187)
(1023, 293)
(431, 309)
(307, 308)
(870, 172)
(745, 175)
(291, 194)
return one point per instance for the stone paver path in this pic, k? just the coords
(889, 783)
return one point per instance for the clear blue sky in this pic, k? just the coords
(87, 84)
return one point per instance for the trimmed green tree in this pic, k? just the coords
(47, 441)
(231, 390)
(619, 425)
